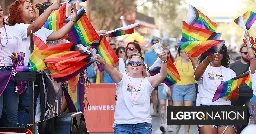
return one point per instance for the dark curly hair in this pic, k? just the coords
(225, 60)
(15, 10)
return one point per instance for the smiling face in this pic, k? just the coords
(219, 56)
(28, 12)
(135, 65)
(130, 49)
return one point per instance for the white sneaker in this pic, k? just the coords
(173, 128)
(154, 114)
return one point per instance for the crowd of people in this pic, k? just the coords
(137, 92)
(200, 78)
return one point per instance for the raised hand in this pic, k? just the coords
(73, 12)
(99, 59)
(55, 5)
(163, 56)
(13, 57)
(210, 58)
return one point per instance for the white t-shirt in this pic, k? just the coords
(11, 37)
(121, 65)
(211, 79)
(253, 79)
(42, 33)
(250, 129)
(133, 106)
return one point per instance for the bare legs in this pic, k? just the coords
(154, 100)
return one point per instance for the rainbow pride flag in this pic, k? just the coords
(36, 59)
(56, 20)
(198, 19)
(195, 48)
(229, 89)
(192, 33)
(172, 73)
(246, 20)
(122, 30)
(76, 91)
(83, 32)
(106, 52)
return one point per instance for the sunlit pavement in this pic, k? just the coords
(156, 130)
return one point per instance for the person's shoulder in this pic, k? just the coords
(225, 69)
(20, 26)
(149, 51)
(237, 62)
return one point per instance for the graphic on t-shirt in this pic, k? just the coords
(215, 76)
(130, 87)
(211, 76)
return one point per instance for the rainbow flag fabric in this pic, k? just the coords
(198, 19)
(106, 52)
(246, 21)
(195, 48)
(228, 89)
(56, 20)
(36, 59)
(172, 73)
(76, 91)
(192, 33)
(123, 30)
(83, 32)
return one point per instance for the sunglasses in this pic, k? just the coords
(135, 63)
(130, 48)
(245, 53)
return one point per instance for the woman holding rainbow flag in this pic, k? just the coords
(132, 111)
(210, 74)
(11, 42)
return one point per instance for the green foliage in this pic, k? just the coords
(168, 15)
(105, 14)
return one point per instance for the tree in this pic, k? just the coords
(168, 15)
(105, 14)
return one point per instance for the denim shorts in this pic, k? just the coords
(182, 93)
(161, 95)
(139, 128)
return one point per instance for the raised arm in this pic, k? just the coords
(252, 60)
(39, 22)
(202, 66)
(113, 73)
(250, 52)
(194, 62)
(65, 29)
(158, 78)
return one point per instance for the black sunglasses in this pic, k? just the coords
(245, 53)
(135, 63)
(130, 48)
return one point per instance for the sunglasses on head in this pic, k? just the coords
(135, 63)
(130, 48)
